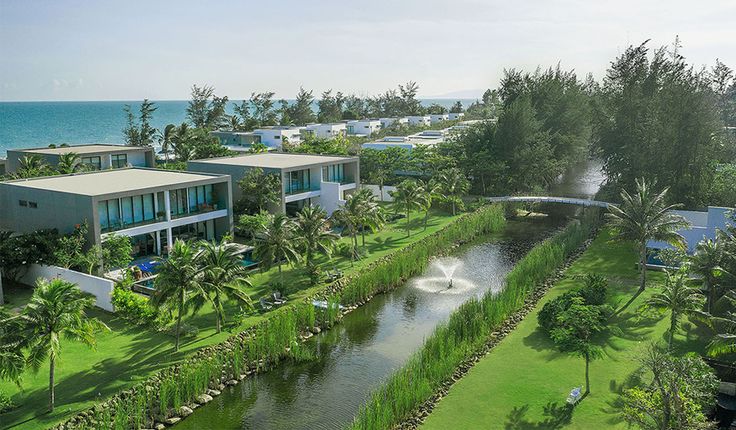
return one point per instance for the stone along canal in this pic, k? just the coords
(355, 356)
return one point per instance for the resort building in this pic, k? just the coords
(96, 156)
(363, 127)
(153, 207)
(455, 116)
(393, 122)
(274, 137)
(325, 131)
(306, 179)
(435, 118)
(426, 137)
(237, 139)
(703, 226)
(420, 120)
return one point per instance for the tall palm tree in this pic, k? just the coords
(12, 342)
(31, 166)
(166, 138)
(56, 309)
(677, 298)
(725, 341)
(430, 191)
(707, 263)
(349, 217)
(223, 276)
(646, 216)
(408, 196)
(177, 279)
(181, 141)
(371, 215)
(276, 244)
(453, 186)
(69, 162)
(313, 231)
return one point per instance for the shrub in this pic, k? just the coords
(595, 290)
(135, 308)
(548, 315)
(6, 404)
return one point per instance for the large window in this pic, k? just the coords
(126, 212)
(333, 173)
(192, 200)
(119, 160)
(297, 182)
(92, 162)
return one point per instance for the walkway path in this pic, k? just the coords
(548, 199)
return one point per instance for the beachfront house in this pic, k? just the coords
(306, 179)
(419, 120)
(394, 122)
(703, 226)
(153, 207)
(237, 139)
(435, 118)
(455, 116)
(325, 131)
(95, 156)
(274, 137)
(363, 127)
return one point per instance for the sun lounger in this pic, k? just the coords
(575, 395)
(265, 304)
(278, 299)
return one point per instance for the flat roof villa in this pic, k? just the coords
(153, 207)
(435, 118)
(237, 139)
(98, 156)
(325, 131)
(363, 127)
(426, 137)
(454, 116)
(388, 122)
(422, 120)
(306, 179)
(275, 136)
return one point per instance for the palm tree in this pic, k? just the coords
(430, 191)
(182, 142)
(12, 341)
(223, 276)
(349, 216)
(453, 186)
(646, 216)
(69, 162)
(706, 262)
(678, 298)
(408, 196)
(177, 279)
(276, 243)
(56, 309)
(371, 215)
(31, 166)
(313, 231)
(725, 341)
(166, 138)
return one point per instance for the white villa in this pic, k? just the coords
(421, 120)
(389, 122)
(435, 118)
(274, 137)
(455, 116)
(325, 131)
(363, 127)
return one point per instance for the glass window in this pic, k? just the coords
(127, 206)
(92, 162)
(113, 211)
(208, 194)
(23, 203)
(148, 212)
(137, 209)
(102, 211)
(192, 199)
(200, 195)
(119, 160)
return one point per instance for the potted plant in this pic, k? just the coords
(160, 215)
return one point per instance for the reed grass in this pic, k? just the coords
(466, 330)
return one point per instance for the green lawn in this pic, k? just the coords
(129, 354)
(524, 381)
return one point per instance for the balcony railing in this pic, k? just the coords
(125, 225)
(199, 209)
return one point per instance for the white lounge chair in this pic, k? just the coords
(575, 395)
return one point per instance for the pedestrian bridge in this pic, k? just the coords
(548, 199)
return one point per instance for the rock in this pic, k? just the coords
(171, 421)
(316, 330)
(214, 393)
(242, 376)
(185, 411)
(220, 387)
(203, 399)
(159, 426)
(232, 382)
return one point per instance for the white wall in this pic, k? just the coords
(98, 287)
(376, 190)
(329, 196)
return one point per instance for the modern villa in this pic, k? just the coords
(237, 139)
(389, 122)
(96, 156)
(153, 207)
(363, 127)
(426, 137)
(455, 116)
(307, 179)
(420, 120)
(435, 118)
(274, 137)
(325, 131)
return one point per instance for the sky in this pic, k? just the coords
(156, 49)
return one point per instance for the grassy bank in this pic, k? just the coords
(465, 332)
(524, 381)
(128, 355)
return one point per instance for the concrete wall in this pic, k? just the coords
(329, 198)
(99, 287)
(136, 157)
(375, 189)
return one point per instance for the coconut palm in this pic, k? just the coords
(430, 191)
(408, 196)
(166, 138)
(725, 341)
(677, 298)
(646, 216)
(350, 218)
(313, 231)
(181, 141)
(12, 341)
(69, 162)
(57, 308)
(453, 185)
(177, 279)
(707, 262)
(223, 276)
(276, 244)
(371, 215)
(31, 166)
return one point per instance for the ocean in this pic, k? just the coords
(37, 124)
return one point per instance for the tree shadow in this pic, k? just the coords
(556, 416)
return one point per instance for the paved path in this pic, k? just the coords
(547, 199)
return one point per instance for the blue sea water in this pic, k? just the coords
(37, 124)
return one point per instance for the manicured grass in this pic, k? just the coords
(524, 381)
(128, 354)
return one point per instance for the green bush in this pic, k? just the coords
(133, 307)
(6, 404)
(594, 292)
(548, 314)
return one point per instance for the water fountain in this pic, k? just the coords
(441, 278)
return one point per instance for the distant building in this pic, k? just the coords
(363, 127)
(420, 120)
(306, 179)
(153, 207)
(425, 138)
(704, 226)
(391, 122)
(2, 166)
(435, 118)
(237, 139)
(455, 116)
(325, 131)
(274, 137)
(95, 156)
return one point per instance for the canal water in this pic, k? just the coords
(356, 356)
